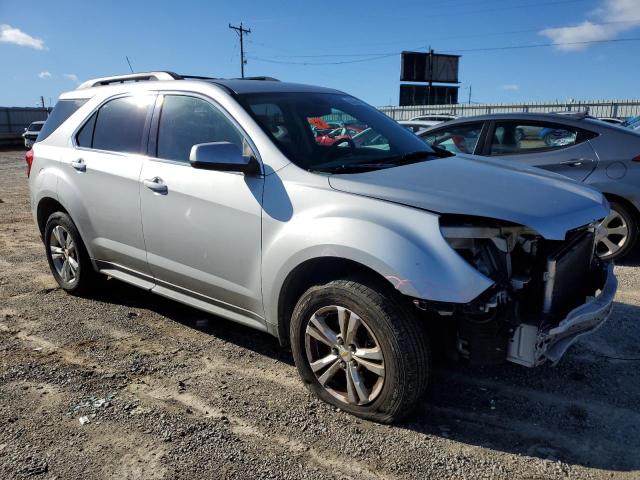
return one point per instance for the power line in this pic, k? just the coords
(241, 31)
(379, 56)
(324, 55)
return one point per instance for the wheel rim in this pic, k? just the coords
(615, 234)
(344, 355)
(64, 254)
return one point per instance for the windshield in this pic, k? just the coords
(330, 132)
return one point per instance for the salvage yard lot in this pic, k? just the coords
(130, 385)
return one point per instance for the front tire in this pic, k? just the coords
(67, 256)
(358, 348)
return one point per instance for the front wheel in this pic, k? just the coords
(359, 349)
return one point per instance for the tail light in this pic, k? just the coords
(636, 158)
(29, 159)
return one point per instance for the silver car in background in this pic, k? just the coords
(588, 150)
(219, 194)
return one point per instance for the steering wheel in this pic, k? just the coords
(334, 146)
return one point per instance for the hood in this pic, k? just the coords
(546, 202)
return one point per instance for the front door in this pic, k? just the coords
(201, 227)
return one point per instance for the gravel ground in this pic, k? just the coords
(130, 385)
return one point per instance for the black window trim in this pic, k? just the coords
(145, 133)
(154, 125)
(582, 136)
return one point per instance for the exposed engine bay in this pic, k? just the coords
(539, 287)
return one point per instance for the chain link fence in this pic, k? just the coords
(596, 108)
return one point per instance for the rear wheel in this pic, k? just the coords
(620, 233)
(358, 348)
(67, 256)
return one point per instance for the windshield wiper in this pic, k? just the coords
(417, 155)
(386, 162)
(354, 167)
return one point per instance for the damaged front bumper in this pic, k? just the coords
(531, 346)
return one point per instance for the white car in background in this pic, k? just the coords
(436, 117)
(31, 133)
(418, 126)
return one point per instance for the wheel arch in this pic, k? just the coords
(317, 271)
(628, 204)
(47, 206)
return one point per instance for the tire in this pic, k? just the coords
(78, 279)
(618, 245)
(386, 327)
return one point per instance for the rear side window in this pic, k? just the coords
(120, 124)
(514, 138)
(63, 110)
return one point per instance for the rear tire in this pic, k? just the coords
(67, 256)
(621, 233)
(380, 341)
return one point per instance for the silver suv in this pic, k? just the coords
(222, 195)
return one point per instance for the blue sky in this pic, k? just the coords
(47, 46)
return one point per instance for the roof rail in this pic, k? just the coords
(132, 77)
(264, 78)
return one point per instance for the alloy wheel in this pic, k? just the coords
(344, 355)
(64, 254)
(614, 236)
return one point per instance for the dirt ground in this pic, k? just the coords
(129, 385)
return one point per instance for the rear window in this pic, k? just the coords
(63, 110)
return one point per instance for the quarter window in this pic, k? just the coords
(514, 138)
(120, 124)
(456, 138)
(84, 138)
(187, 121)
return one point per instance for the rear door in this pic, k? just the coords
(201, 227)
(106, 166)
(556, 147)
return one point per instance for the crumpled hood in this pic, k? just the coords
(546, 202)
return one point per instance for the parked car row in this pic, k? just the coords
(360, 248)
(599, 154)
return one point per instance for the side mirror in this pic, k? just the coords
(224, 157)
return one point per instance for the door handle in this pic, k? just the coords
(575, 162)
(156, 184)
(79, 165)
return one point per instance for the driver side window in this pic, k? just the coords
(456, 138)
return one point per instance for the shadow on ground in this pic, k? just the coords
(571, 412)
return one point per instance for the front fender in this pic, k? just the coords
(403, 244)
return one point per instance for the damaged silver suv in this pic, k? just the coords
(355, 246)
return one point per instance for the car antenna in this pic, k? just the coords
(130, 67)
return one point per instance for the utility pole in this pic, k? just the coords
(470, 93)
(42, 101)
(241, 31)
